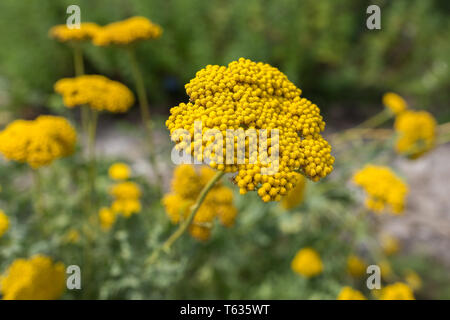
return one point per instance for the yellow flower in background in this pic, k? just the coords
(385, 269)
(389, 244)
(125, 190)
(295, 196)
(397, 291)
(416, 132)
(348, 293)
(248, 95)
(107, 218)
(72, 236)
(99, 92)
(38, 142)
(86, 31)
(413, 280)
(394, 102)
(187, 184)
(127, 32)
(385, 190)
(307, 263)
(37, 278)
(119, 171)
(4, 223)
(126, 207)
(356, 266)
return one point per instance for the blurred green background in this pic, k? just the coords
(323, 46)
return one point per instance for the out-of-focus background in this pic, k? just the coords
(324, 47)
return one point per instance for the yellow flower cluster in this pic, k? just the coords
(126, 198)
(394, 102)
(4, 223)
(119, 171)
(307, 263)
(295, 195)
(389, 244)
(253, 96)
(62, 33)
(416, 132)
(107, 218)
(37, 278)
(384, 189)
(187, 184)
(397, 291)
(38, 142)
(72, 236)
(127, 31)
(348, 293)
(413, 280)
(356, 266)
(97, 91)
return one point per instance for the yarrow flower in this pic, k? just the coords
(119, 171)
(127, 32)
(295, 196)
(264, 108)
(126, 198)
(187, 184)
(385, 269)
(385, 191)
(356, 266)
(107, 218)
(416, 132)
(307, 263)
(62, 33)
(397, 291)
(413, 280)
(38, 142)
(348, 293)
(389, 244)
(4, 223)
(37, 278)
(97, 91)
(394, 102)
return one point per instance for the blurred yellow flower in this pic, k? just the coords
(38, 142)
(307, 263)
(356, 266)
(187, 184)
(107, 218)
(37, 278)
(295, 196)
(416, 132)
(99, 92)
(385, 190)
(86, 31)
(413, 280)
(397, 291)
(386, 269)
(125, 190)
(72, 236)
(126, 207)
(127, 31)
(256, 96)
(119, 171)
(394, 102)
(389, 244)
(348, 293)
(4, 223)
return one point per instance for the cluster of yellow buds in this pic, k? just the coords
(4, 223)
(86, 31)
(356, 266)
(397, 291)
(187, 184)
(385, 190)
(97, 91)
(295, 196)
(348, 293)
(394, 102)
(38, 142)
(37, 278)
(127, 31)
(416, 132)
(281, 130)
(307, 263)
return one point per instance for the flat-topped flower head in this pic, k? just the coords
(394, 102)
(260, 109)
(37, 278)
(307, 263)
(119, 171)
(127, 31)
(416, 132)
(38, 142)
(385, 190)
(348, 293)
(397, 291)
(97, 91)
(187, 184)
(4, 223)
(62, 33)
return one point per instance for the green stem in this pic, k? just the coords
(187, 222)
(376, 120)
(38, 202)
(91, 155)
